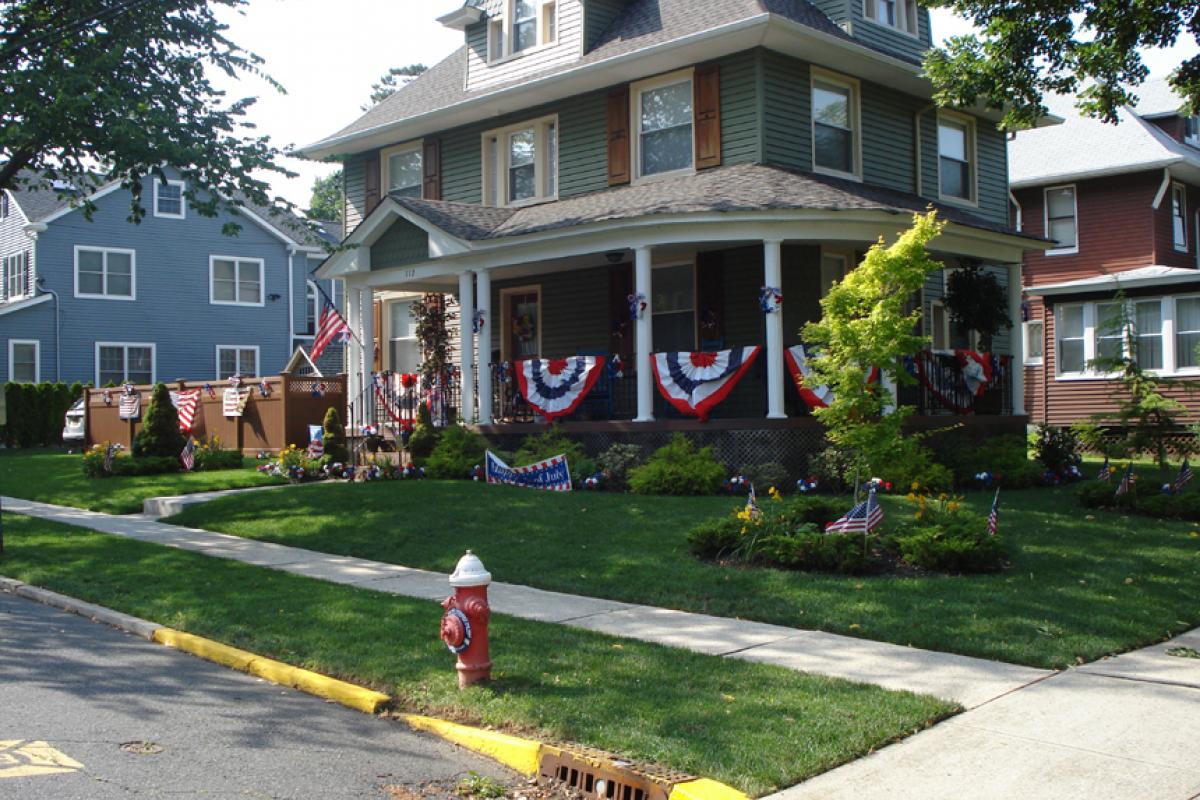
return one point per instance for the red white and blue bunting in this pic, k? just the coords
(977, 370)
(556, 387)
(552, 475)
(814, 396)
(696, 383)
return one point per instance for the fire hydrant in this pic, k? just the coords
(465, 623)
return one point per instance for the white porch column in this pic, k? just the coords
(367, 324)
(483, 302)
(644, 332)
(773, 276)
(466, 344)
(353, 352)
(1016, 339)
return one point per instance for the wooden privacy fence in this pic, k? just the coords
(269, 422)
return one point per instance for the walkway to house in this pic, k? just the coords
(969, 681)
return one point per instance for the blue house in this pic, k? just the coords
(171, 297)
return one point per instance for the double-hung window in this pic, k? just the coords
(312, 302)
(23, 357)
(521, 26)
(16, 276)
(1062, 219)
(1147, 334)
(956, 151)
(664, 119)
(1187, 332)
(3, 204)
(1072, 340)
(520, 163)
(235, 281)
(169, 201)
(403, 170)
(1179, 216)
(835, 125)
(405, 347)
(898, 14)
(1109, 334)
(237, 360)
(524, 27)
(105, 273)
(118, 362)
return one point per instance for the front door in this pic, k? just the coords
(522, 321)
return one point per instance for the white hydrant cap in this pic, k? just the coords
(470, 572)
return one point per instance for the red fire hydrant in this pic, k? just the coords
(465, 623)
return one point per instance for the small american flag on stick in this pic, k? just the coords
(1105, 471)
(994, 516)
(863, 518)
(1126, 481)
(188, 456)
(1185, 476)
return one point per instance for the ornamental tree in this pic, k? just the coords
(977, 301)
(160, 434)
(102, 90)
(867, 320)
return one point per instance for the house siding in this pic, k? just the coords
(741, 124)
(14, 240)
(991, 168)
(567, 48)
(888, 138)
(786, 104)
(354, 186)
(597, 16)
(30, 324)
(403, 243)
(885, 38)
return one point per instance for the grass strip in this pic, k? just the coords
(754, 726)
(1082, 584)
(52, 476)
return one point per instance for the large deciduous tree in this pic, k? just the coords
(1086, 47)
(328, 198)
(101, 90)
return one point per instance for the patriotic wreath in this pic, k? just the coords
(556, 387)
(696, 383)
(798, 367)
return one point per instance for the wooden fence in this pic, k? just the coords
(269, 422)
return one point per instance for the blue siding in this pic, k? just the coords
(34, 324)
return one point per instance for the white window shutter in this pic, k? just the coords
(30, 289)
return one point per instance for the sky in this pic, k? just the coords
(327, 56)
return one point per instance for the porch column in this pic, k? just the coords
(1016, 339)
(466, 344)
(644, 331)
(366, 312)
(483, 302)
(353, 353)
(773, 276)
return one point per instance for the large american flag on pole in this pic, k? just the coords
(331, 326)
(863, 518)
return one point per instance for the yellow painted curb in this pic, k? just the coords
(705, 789)
(275, 671)
(523, 755)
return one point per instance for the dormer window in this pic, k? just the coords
(521, 26)
(520, 163)
(402, 170)
(1191, 131)
(525, 27)
(898, 14)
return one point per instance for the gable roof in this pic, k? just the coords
(1085, 147)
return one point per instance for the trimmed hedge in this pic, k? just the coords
(1144, 497)
(36, 413)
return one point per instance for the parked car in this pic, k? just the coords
(73, 424)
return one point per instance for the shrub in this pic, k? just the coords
(714, 538)
(1005, 458)
(1056, 448)
(457, 452)
(36, 411)
(811, 549)
(915, 464)
(424, 437)
(210, 455)
(1144, 497)
(159, 435)
(551, 443)
(335, 437)
(766, 475)
(943, 536)
(616, 462)
(678, 468)
(833, 468)
(126, 465)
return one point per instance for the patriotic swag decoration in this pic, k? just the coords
(770, 299)
(974, 371)
(977, 371)
(556, 387)
(637, 306)
(186, 404)
(797, 360)
(233, 402)
(696, 383)
(552, 474)
(131, 403)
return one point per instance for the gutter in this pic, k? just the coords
(1162, 189)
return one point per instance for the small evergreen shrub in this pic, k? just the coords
(616, 462)
(424, 437)
(458, 451)
(833, 468)
(766, 475)
(678, 468)
(159, 435)
(551, 443)
(1143, 497)
(1056, 448)
(126, 465)
(335, 437)
(1005, 458)
(812, 550)
(942, 536)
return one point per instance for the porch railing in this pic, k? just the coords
(942, 391)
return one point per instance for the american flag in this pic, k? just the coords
(751, 503)
(316, 448)
(188, 456)
(110, 454)
(863, 518)
(994, 517)
(331, 327)
(1126, 481)
(1105, 471)
(1185, 475)
(188, 401)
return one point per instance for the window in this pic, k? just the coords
(521, 163)
(1148, 333)
(524, 28)
(1191, 133)
(3, 205)
(1062, 223)
(521, 26)
(169, 201)
(673, 308)
(403, 174)
(235, 360)
(1109, 330)
(835, 126)
(663, 118)
(939, 322)
(236, 281)
(549, 22)
(1072, 355)
(118, 363)
(833, 269)
(1035, 336)
(496, 40)
(1187, 332)
(955, 155)
(1179, 216)
(312, 309)
(106, 273)
(16, 276)
(405, 348)
(23, 358)
(898, 14)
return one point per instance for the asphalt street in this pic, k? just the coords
(73, 692)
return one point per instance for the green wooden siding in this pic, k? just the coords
(403, 243)
(836, 10)
(740, 125)
(992, 168)
(597, 16)
(889, 154)
(787, 107)
(902, 44)
(352, 181)
(576, 318)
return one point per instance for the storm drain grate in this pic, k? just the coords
(596, 774)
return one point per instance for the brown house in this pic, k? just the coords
(1122, 201)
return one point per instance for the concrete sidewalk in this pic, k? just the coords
(1123, 728)
(969, 681)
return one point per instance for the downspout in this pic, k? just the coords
(41, 284)
(918, 170)
(291, 326)
(1162, 190)
(1012, 198)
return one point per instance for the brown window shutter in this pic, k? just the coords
(431, 163)
(618, 137)
(707, 90)
(710, 321)
(378, 336)
(371, 181)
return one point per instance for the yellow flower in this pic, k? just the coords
(911, 497)
(953, 506)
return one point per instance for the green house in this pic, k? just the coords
(574, 154)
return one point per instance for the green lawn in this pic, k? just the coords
(52, 476)
(754, 726)
(1083, 584)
